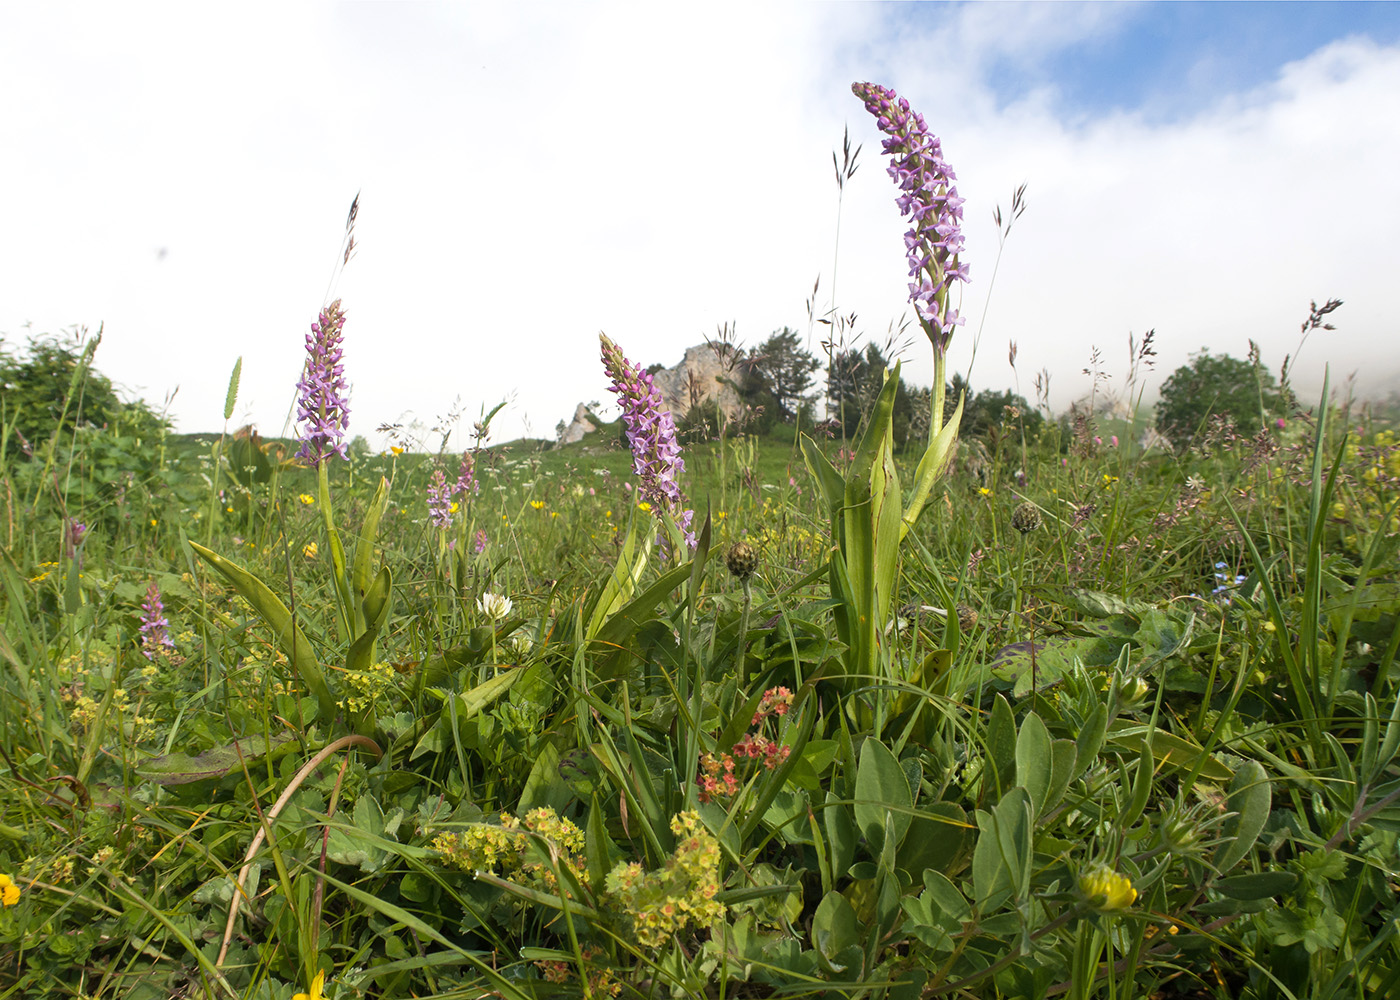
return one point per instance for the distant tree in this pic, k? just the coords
(781, 368)
(989, 410)
(854, 380)
(1215, 385)
(38, 394)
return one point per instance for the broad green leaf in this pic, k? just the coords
(364, 546)
(834, 928)
(1001, 749)
(839, 827)
(180, 768)
(290, 639)
(1033, 761)
(1250, 797)
(830, 481)
(1001, 861)
(1169, 749)
(881, 787)
(1256, 885)
(939, 836)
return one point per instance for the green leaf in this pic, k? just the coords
(1033, 761)
(881, 787)
(544, 787)
(834, 928)
(1256, 885)
(289, 637)
(364, 546)
(1169, 749)
(839, 826)
(938, 839)
(1001, 861)
(1001, 748)
(180, 768)
(830, 481)
(1250, 798)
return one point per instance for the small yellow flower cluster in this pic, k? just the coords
(307, 499)
(367, 686)
(1106, 889)
(309, 550)
(537, 504)
(664, 902)
(482, 847)
(9, 891)
(47, 568)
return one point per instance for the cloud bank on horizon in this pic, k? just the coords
(531, 175)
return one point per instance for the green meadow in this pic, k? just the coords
(958, 703)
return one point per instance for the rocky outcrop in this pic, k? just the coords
(695, 380)
(576, 429)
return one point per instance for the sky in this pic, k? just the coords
(532, 174)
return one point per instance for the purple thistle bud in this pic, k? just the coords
(930, 201)
(154, 637)
(439, 501)
(656, 454)
(466, 476)
(322, 409)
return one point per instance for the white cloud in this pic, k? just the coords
(534, 174)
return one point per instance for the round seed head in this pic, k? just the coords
(742, 560)
(1026, 518)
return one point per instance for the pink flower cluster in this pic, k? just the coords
(717, 778)
(929, 199)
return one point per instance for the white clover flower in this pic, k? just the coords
(494, 606)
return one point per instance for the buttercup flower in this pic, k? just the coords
(317, 985)
(656, 454)
(9, 892)
(494, 606)
(322, 409)
(929, 199)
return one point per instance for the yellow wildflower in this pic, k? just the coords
(307, 499)
(1106, 889)
(537, 504)
(9, 892)
(396, 450)
(309, 550)
(317, 985)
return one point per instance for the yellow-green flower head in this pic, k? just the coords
(9, 892)
(1106, 889)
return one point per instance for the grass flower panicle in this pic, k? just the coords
(651, 431)
(930, 200)
(322, 406)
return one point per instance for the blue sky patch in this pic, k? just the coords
(1169, 61)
